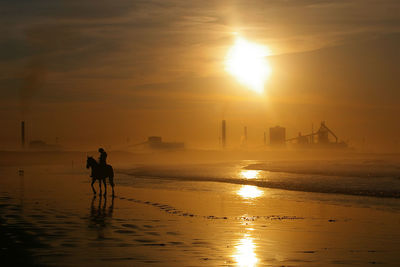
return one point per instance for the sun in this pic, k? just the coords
(247, 62)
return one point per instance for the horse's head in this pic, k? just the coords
(89, 162)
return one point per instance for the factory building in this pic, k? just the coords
(155, 142)
(277, 136)
(324, 139)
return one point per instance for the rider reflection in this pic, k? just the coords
(100, 215)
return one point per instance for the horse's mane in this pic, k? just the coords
(91, 159)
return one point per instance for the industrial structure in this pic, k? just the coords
(265, 138)
(323, 138)
(43, 146)
(156, 143)
(223, 133)
(37, 145)
(277, 136)
(244, 137)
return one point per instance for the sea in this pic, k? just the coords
(365, 182)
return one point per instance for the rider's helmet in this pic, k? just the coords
(101, 150)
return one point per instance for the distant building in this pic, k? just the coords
(302, 139)
(41, 145)
(277, 135)
(323, 134)
(154, 139)
(155, 142)
(324, 139)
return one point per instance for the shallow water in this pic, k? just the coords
(355, 177)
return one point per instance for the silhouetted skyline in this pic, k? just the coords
(98, 74)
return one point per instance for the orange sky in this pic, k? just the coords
(98, 73)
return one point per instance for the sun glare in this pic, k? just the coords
(250, 191)
(249, 174)
(245, 252)
(247, 62)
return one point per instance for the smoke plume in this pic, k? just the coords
(32, 80)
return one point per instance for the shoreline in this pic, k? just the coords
(190, 224)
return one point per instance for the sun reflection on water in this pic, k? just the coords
(250, 191)
(245, 252)
(250, 174)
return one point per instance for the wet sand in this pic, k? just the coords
(48, 216)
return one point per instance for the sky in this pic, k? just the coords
(111, 73)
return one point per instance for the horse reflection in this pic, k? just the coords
(100, 214)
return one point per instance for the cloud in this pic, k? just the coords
(132, 43)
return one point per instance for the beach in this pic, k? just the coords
(236, 133)
(50, 217)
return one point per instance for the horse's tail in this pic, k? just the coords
(111, 175)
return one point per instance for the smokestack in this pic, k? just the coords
(245, 133)
(265, 139)
(223, 133)
(23, 134)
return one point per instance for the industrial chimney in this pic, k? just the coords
(23, 134)
(223, 133)
(265, 138)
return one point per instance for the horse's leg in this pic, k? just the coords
(100, 186)
(112, 184)
(105, 186)
(93, 180)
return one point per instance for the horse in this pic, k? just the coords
(100, 173)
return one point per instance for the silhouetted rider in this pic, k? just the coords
(102, 158)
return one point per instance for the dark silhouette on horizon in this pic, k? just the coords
(100, 171)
